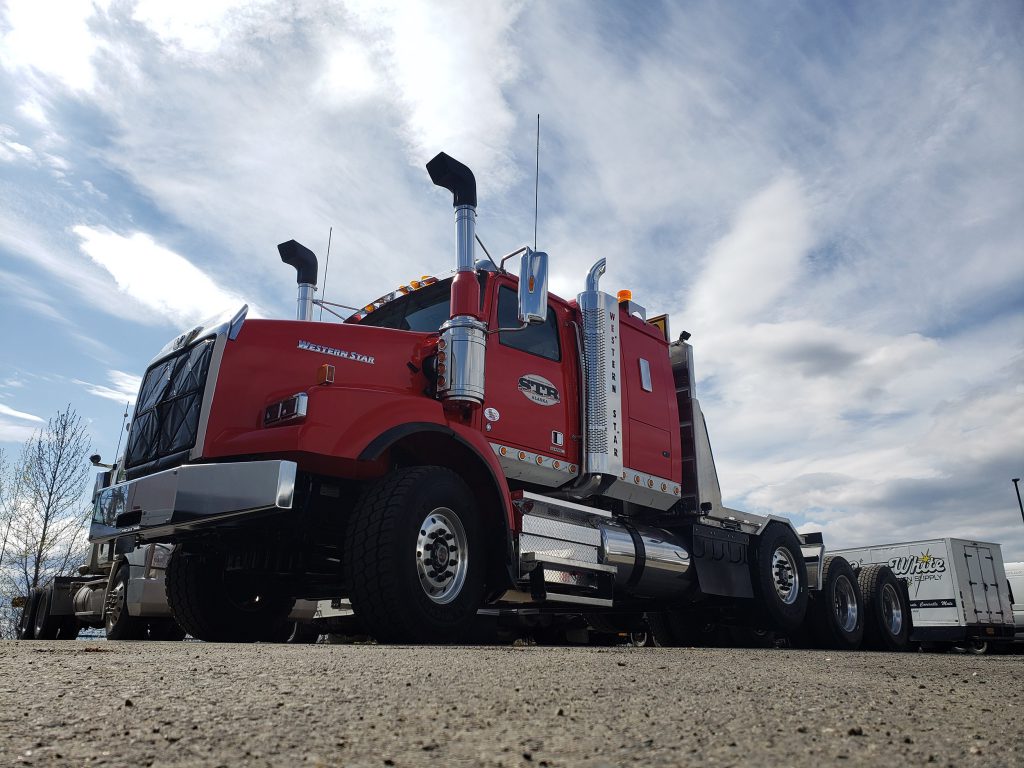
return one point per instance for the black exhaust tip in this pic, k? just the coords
(300, 257)
(449, 173)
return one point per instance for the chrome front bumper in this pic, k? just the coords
(191, 496)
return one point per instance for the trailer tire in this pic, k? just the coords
(780, 578)
(118, 623)
(69, 628)
(209, 609)
(836, 613)
(27, 622)
(404, 529)
(886, 613)
(46, 626)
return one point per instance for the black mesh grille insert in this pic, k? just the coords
(167, 411)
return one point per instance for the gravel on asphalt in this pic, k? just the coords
(168, 704)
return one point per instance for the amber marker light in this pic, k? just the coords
(325, 374)
(624, 295)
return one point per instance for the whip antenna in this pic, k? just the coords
(327, 266)
(536, 185)
(123, 420)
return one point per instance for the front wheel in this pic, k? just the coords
(414, 559)
(210, 606)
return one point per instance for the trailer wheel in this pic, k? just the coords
(887, 615)
(27, 622)
(835, 614)
(46, 626)
(119, 624)
(414, 557)
(780, 578)
(209, 607)
(69, 628)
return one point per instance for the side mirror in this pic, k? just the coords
(533, 288)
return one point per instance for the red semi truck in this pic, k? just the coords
(459, 444)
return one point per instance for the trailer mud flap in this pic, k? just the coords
(722, 561)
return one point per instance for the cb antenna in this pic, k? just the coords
(327, 266)
(124, 419)
(536, 185)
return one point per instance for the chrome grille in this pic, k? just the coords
(166, 421)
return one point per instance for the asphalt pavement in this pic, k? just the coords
(169, 704)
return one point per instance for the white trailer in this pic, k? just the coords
(957, 587)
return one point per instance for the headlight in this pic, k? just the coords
(289, 409)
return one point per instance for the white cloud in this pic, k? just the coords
(124, 387)
(6, 410)
(450, 64)
(155, 276)
(56, 44)
(200, 26)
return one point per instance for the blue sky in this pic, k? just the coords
(828, 196)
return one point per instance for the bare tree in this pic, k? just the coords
(43, 509)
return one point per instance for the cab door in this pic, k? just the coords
(531, 411)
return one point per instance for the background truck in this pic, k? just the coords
(456, 444)
(958, 590)
(119, 589)
(1015, 582)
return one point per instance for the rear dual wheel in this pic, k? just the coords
(27, 621)
(835, 615)
(887, 614)
(780, 578)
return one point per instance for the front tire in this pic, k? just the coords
(209, 607)
(414, 557)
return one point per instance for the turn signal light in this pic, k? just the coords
(325, 374)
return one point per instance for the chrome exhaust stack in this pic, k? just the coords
(304, 261)
(463, 342)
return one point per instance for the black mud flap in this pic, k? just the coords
(722, 561)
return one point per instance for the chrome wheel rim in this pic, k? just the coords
(115, 603)
(892, 612)
(844, 604)
(442, 555)
(784, 576)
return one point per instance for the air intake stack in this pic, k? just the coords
(463, 342)
(304, 261)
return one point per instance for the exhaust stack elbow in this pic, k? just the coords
(464, 336)
(304, 260)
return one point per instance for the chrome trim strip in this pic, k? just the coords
(562, 503)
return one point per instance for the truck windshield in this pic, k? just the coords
(422, 310)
